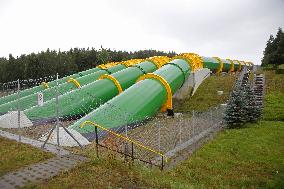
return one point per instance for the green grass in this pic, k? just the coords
(251, 157)
(274, 97)
(274, 107)
(206, 95)
(14, 155)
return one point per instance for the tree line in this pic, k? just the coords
(274, 50)
(50, 62)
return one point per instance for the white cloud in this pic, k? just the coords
(235, 29)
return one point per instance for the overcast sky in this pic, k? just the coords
(226, 28)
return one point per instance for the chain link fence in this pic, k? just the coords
(146, 141)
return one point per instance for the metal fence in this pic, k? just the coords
(148, 141)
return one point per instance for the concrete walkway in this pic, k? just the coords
(39, 172)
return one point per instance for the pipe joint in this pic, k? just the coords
(194, 60)
(221, 65)
(232, 67)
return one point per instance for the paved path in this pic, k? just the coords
(39, 172)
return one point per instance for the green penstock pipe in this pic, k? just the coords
(226, 65)
(210, 63)
(48, 94)
(39, 88)
(237, 65)
(82, 101)
(138, 102)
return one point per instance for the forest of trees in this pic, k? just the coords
(50, 62)
(274, 51)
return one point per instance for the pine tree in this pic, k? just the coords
(235, 114)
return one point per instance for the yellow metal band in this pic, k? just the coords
(232, 67)
(122, 137)
(159, 61)
(108, 65)
(131, 62)
(127, 63)
(220, 66)
(114, 80)
(250, 63)
(76, 83)
(240, 65)
(244, 63)
(194, 60)
(168, 104)
(45, 85)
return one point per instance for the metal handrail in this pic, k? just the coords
(123, 137)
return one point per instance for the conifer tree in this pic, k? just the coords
(235, 114)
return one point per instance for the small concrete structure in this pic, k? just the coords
(65, 139)
(190, 86)
(10, 120)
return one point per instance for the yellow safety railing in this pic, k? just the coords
(123, 138)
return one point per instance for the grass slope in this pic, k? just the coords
(251, 157)
(274, 99)
(14, 155)
(206, 95)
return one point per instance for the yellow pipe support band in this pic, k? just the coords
(122, 137)
(250, 63)
(240, 65)
(114, 80)
(45, 85)
(76, 83)
(127, 63)
(169, 103)
(131, 62)
(194, 60)
(159, 61)
(247, 64)
(232, 67)
(108, 65)
(220, 69)
(243, 62)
